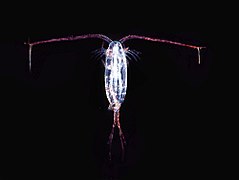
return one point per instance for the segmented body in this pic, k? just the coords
(115, 75)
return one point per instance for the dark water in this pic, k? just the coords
(178, 117)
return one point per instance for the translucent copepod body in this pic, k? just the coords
(115, 72)
(115, 75)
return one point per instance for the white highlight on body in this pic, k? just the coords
(115, 75)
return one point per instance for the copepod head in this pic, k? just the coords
(115, 49)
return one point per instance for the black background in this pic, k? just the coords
(178, 116)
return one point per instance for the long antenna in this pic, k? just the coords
(122, 40)
(70, 38)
